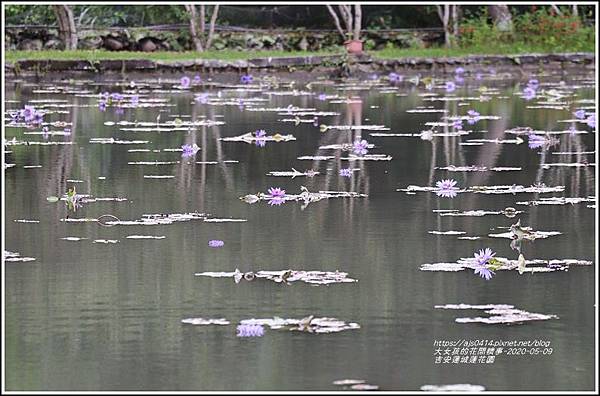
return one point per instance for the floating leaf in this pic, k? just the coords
(499, 314)
(205, 322)
(288, 276)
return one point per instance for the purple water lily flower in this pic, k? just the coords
(395, 77)
(119, 111)
(579, 114)
(189, 150)
(216, 243)
(250, 330)
(185, 82)
(591, 121)
(474, 116)
(135, 100)
(202, 98)
(28, 113)
(459, 70)
(346, 172)
(457, 124)
(533, 83)
(45, 132)
(38, 117)
(529, 93)
(450, 86)
(322, 97)
(102, 105)
(197, 79)
(276, 192)
(276, 201)
(246, 79)
(260, 138)
(484, 272)
(446, 188)
(360, 147)
(484, 256)
(276, 196)
(536, 141)
(116, 97)
(459, 78)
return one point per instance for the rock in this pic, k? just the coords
(52, 44)
(31, 45)
(147, 45)
(113, 44)
(303, 44)
(90, 43)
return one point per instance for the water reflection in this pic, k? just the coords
(91, 316)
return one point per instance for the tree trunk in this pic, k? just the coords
(198, 26)
(455, 19)
(444, 14)
(352, 20)
(501, 17)
(66, 26)
(357, 21)
(191, 9)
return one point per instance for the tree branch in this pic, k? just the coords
(211, 31)
(347, 15)
(556, 9)
(336, 20)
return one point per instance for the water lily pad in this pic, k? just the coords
(205, 322)
(498, 314)
(289, 276)
(453, 388)
(534, 265)
(15, 257)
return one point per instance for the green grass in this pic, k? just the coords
(391, 53)
(91, 55)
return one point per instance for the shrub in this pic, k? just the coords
(540, 30)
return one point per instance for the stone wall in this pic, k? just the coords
(148, 39)
(331, 65)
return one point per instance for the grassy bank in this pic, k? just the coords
(390, 53)
(92, 55)
(393, 53)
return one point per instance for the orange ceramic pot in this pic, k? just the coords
(354, 46)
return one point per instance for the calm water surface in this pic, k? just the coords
(87, 316)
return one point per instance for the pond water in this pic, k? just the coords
(108, 316)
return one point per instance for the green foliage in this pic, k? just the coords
(539, 30)
(29, 14)
(563, 33)
(98, 15)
